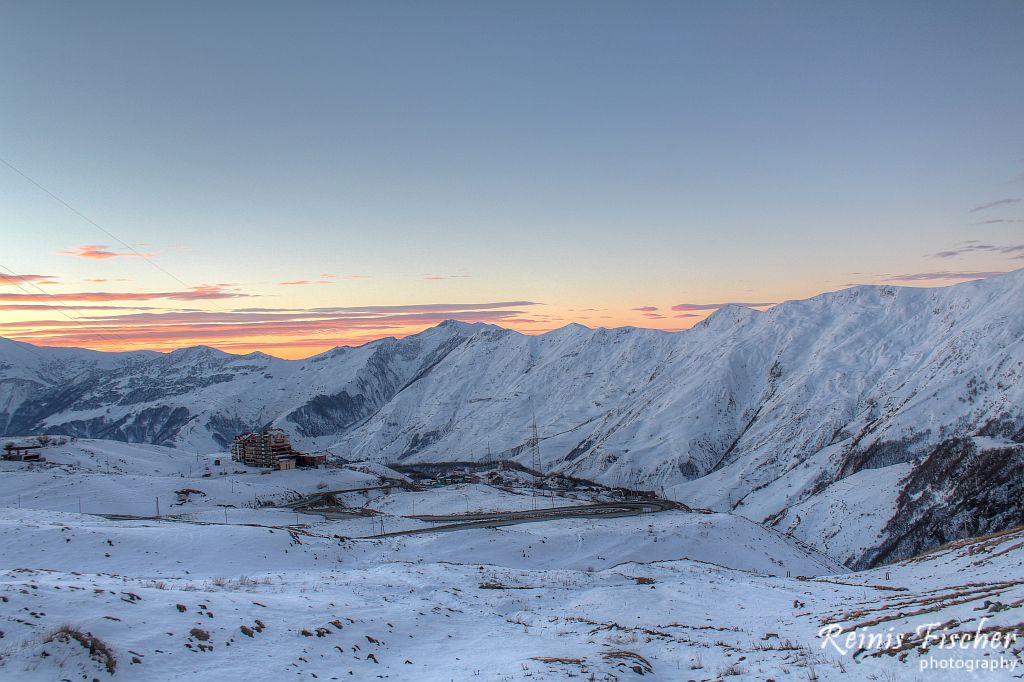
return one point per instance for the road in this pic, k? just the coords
(603, 510)
(331, 509)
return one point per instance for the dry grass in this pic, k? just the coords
(99, 650)
(629, 659)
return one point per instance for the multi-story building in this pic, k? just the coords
(268, 449)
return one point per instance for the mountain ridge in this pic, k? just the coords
(766, 413)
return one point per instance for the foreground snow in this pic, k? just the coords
(266, 595)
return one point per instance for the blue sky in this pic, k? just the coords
(589, 157)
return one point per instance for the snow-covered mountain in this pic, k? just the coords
(871, 422)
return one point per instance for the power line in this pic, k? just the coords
(136, 252)
(93, 223)
(16, 280)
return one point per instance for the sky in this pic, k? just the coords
(292, 176)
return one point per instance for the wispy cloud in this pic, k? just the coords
(646, 308)
(199, 293)
(102, 252)
(942, 275)
(43, 306)
(653, 316)
(105, 280)
(995, 221)
(15, 280)
(439, 277)
(686, 315)
(261, 327)
(993, 204)
(715, 306)
(975, 246)
(294, 283)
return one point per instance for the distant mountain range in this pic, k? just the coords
(871, 422)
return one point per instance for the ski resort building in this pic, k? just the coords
(268, 449)
(271, 449)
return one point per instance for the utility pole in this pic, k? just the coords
(158, 506)
(535, 452)
(79, 504)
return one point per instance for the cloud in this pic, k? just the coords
(943, 275)
(653, 316)
(438, 277)
(203, 292)
(104, 280)
(686, 315)
(716, 306)
(329, 279)
(995, 221)
(974, 246)
(357, 277)
(15, 280)
(993, 204)
(646, 308)
(102, 252)
(260, 327)
(328, 275)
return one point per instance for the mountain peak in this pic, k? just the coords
(730, 314)
(198, 352)
(466, 327)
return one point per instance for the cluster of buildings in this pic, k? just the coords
(271, 449)
(22, 453)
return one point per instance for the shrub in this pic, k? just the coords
(99, 651)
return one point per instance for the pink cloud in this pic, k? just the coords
(716, 306)
(199, 293)
(102, 252)
(646, 308)
(942, 275)
(294, 283)
(283, 329)
(15, 280)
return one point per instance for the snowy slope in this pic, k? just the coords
(764, 413)
(551, 601)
